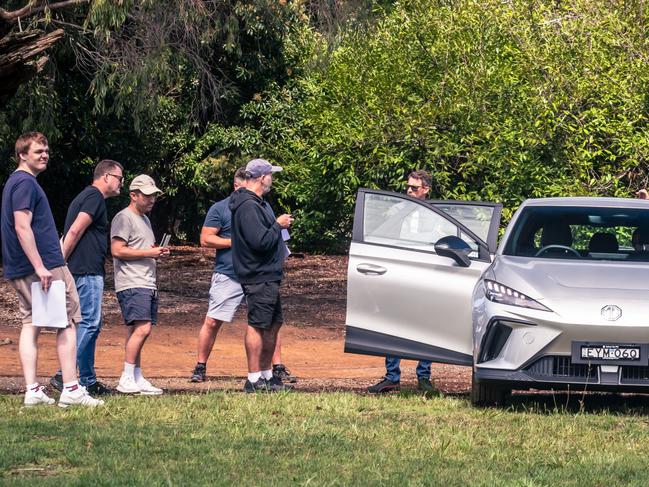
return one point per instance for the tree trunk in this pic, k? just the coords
(20, 58)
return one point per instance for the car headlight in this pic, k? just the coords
(499, 293)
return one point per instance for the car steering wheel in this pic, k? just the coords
(562, 247)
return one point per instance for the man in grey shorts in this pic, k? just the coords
(226, 293)
(134, 258)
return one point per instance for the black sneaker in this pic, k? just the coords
(259, 386)
(199, 374)
(56, 381)
(282, 373)
(275, 384)
(99, 389)
(383, 386)
(426, 386)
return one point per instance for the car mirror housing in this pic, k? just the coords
(455, 248)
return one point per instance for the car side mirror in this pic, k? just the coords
(455, 248)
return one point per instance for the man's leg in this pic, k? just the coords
(90, 289)
(136, 337)
(391, 380)
(224, 299)
(254, 340)
(277, 353)
(423, 377)
(66, 344)
(207, 337)
(268, 346)
(279, 369)
(392, 368)
(28, 351)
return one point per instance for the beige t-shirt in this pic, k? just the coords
(136, 231)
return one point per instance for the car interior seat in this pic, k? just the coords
(603, 242)
(556, 234)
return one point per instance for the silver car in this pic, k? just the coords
(563, 302)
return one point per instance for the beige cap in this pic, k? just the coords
(144, 184)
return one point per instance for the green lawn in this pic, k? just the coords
(325, 439)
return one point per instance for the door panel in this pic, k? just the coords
(403, 298)
(420, 297)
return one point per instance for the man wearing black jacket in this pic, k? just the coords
(258, 253)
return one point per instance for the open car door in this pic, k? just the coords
(402, 298)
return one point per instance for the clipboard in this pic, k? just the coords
(49, 308)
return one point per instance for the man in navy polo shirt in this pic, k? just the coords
(31, 253)
(225, 293)
(85, 245)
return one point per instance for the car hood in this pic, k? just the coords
(571, 288)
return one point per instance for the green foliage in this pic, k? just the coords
(501, 101)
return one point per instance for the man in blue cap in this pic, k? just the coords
(258, 256)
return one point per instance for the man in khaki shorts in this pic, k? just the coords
(31, 252)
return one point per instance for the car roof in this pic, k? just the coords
(591, 202)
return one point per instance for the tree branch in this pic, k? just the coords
(36, 6)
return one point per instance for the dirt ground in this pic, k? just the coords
(313, 293)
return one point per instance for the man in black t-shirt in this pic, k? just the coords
(85, 244)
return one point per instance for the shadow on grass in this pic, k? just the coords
(579, 402)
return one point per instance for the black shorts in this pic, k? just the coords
(264, 304)
(138, 304)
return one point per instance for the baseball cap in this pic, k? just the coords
(144, 184)
(260, 167)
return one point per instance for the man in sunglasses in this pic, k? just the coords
(85, 244)
(418, 186)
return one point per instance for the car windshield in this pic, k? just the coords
(581, 233)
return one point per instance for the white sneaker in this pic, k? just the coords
(34, 398)
(78, 397)
(147, 388)
(127, 385)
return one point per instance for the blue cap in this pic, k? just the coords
(260, 167)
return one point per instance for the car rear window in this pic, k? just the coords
(581, 233)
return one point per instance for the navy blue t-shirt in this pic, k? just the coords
(220, 216)
(22, 192)
(90, 253)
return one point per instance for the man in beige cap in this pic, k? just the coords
(134, 258)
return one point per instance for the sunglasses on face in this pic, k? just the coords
(119, 178)
(413, 187)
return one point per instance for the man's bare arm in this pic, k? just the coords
(211, 240)
(23, 225)
(121, 250)
(76, 231)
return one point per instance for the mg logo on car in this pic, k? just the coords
(611, 312)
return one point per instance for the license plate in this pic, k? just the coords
(609, 352)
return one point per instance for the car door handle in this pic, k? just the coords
(371, 269)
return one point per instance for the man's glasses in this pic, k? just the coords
(413, 187)
(119, 178)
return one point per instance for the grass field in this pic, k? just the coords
(323, 439)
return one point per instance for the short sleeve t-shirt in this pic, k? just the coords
(219, 216)
(22, 192)
(90, 253)
(136, 231)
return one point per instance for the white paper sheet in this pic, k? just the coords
(48, 309)
(285, 235)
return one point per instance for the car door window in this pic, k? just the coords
(399, 222)
(476, 218)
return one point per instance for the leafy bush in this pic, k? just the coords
(501, 101)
